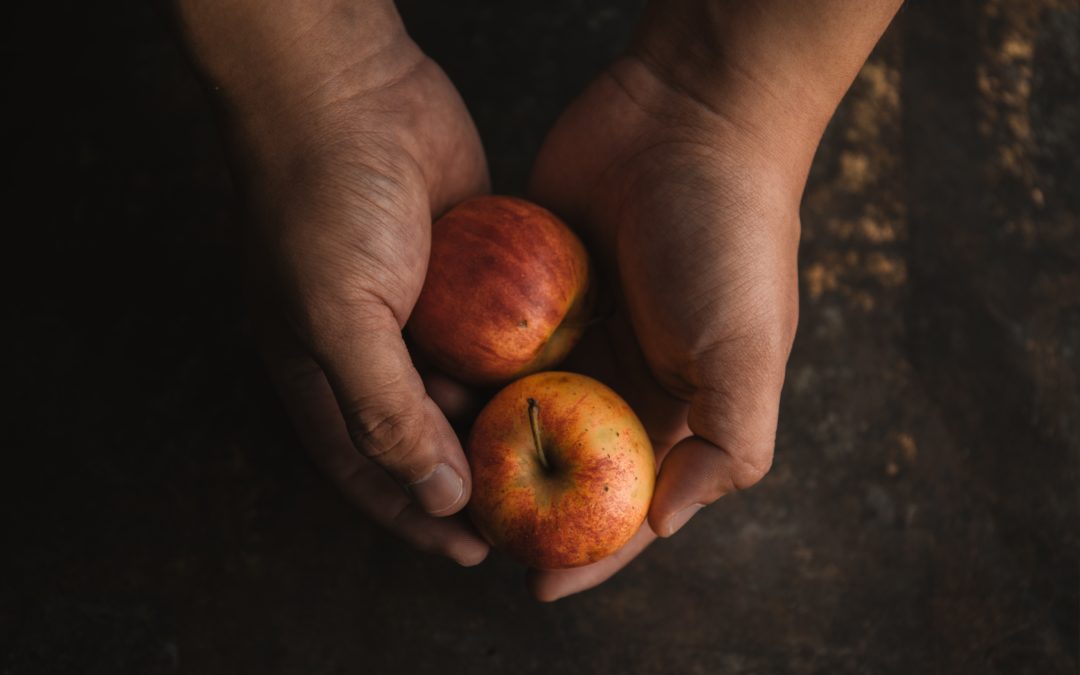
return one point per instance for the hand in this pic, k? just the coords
(684, 165)
(696, 226)
(347, 141)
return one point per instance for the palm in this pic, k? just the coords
(688, 244)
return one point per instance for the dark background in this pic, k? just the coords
(922, 514)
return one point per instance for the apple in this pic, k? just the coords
(563, 471)
(506, 291)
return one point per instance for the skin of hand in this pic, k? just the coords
(686, 185)
(683, 165)
(347, 139)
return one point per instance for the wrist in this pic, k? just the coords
(269, 58)
(748, 132)
(289, 74)
(775, 70)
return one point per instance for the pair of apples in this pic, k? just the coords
(563, 471)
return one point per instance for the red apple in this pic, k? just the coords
(563, 471)
(506, 291)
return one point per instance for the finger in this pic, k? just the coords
(455, 400)
(734, 423)
(390, 418)
(551, 585)
(385, 503)
(313, 409)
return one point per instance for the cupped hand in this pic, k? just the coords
(343, 181)
(692, 217)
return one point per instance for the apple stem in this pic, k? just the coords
(534, 424)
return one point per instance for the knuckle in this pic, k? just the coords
(386, 437)
(748, 469)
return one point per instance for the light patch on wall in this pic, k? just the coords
(858, 213)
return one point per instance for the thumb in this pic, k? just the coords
(391, 419)
(734, 427)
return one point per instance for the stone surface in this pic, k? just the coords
(922, 514)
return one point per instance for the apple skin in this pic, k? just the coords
(506, 291)
(594, 494)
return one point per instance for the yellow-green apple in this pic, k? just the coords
(506, 291)
(562, 470)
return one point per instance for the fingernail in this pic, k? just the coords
(439, 490)
(676, 521)
(471, 558)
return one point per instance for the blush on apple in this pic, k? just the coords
(563, 471)
(506, 292)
